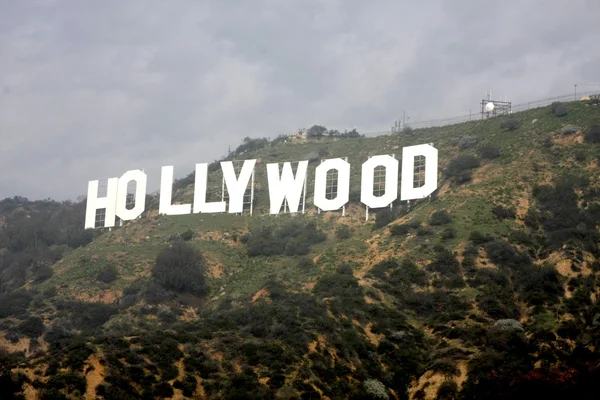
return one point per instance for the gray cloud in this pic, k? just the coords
(96, 88)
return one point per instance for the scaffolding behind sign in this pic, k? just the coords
(331, 186)
(378, 185)
(101, 212)
(248, 202)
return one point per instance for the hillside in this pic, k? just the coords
(488, 289)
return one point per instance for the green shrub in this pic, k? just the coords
(554, 106)
(439, 218)
(42, 273)
(181, 268)
(108, 274)
(344, 269)
(448, 390)
(306, 263)
(467, 141)
(593, 134)
(568, 130)
(445, 366)
(384, 217)
(163, 390)
(504, 213)
(343, 232)
(488, 152)
(14, 304)
(32, 327)
(510, 124)
(294, 238)
(448, 233)
(187, 235)
(399, 230)
(559, 109)
(479, 238)
(461, 166)
(444, 262)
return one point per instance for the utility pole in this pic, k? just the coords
(575, 92)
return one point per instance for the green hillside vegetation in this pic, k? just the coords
(487, 289)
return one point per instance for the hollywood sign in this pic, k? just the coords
(283, 187)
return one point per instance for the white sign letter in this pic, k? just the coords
(408, 191)
(391, 181)
(166, 195)
(287, 187)
(237, 187)
(343, 184)
(140, 179)
(200, 204)
(94, 203)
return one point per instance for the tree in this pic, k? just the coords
(316, 131)
(181, 268)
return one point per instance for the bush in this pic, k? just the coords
(181, 268)
(448, 390)
(384, 217)
(568, 130)
(305, 263)
(108, 274)
(510, 124)
(375, 389)
(398, 230)
(32, 327)
(43, 273)
(504, 213)
(479, 238)
(439, 218)
(448, 233)
(489, 152)
(344, 269)
(594, 99)
(559, 109)
(593, 134)
(343, 232)
(508, 325)
(444, 263)
(580, 155)
(461, 164)
(467, 141)
(294, 238)
(14, 304)
(187, 235)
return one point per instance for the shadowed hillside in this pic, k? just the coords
(487, 289)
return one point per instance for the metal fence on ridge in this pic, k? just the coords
(476, 115)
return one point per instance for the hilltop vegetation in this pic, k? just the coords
(487, 289)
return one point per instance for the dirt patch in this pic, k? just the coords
(373, 338)
(29, 392)
(483, 174)
(369, 300)
(94, 377)
(215, 268)
(261, 293)
(106, 296)
(523, 206)
(178, 394)
(21, 345)
(568, 140)
(563, 264)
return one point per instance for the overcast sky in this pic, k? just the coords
(91, 89)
